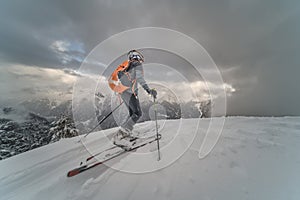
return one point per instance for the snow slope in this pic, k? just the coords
(255, 158)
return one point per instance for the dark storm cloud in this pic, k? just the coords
(254, 43)
(29, 28)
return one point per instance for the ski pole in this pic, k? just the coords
(103, 119)
(157, 135)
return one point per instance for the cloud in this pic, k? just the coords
(24, 82)
(60, 46)
(254, 43)
(72, 72)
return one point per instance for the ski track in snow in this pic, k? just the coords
(255, 158)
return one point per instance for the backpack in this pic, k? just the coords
(120, 79)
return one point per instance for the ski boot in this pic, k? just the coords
(123, 138)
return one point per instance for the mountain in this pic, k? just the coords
(31, 124)
(255, 158)
(47, 107)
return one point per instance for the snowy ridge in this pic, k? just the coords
(255, 158)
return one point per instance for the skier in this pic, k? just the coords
(124, 81)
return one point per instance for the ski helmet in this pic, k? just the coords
(134, 55)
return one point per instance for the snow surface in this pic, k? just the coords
(255, 158)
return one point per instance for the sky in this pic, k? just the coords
(255, 44)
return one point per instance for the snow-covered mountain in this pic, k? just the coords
(29, 124)
(255, 158)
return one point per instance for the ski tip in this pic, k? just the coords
(89, 158)
(73, 173)
(76, 171)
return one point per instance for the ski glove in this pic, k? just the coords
(152, 92)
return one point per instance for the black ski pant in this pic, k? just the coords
(133, 104)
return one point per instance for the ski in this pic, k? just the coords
(137, 142)
(93, 156)
(83, 168)
(113, 147)
(108, 156)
